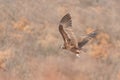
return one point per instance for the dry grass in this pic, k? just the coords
(30, 41)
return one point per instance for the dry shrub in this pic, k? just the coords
(48, 37)
(4, 56)
(118, 75)
(81, 77)
(97, 9)
(47, 40)
(1, 27)
(21, 24)
(53, 68)
(16, 36)
(61, 10)
(49, 68)
(2, 30)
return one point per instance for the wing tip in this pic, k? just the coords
(93, 34)
(66, 19)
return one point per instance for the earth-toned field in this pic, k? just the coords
(30, 43)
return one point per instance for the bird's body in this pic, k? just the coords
(70, 41)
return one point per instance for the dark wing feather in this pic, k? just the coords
(86, 39)
(66, 20)
(63, 33)
(65, 29)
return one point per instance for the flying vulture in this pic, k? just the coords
(70, 41)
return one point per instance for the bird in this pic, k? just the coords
(70, 41)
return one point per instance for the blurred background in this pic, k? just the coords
(30, 43)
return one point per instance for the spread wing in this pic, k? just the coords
(87, 38)
(65, 29)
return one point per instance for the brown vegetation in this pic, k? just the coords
(30, 42)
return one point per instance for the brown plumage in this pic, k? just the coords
(70, 41)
